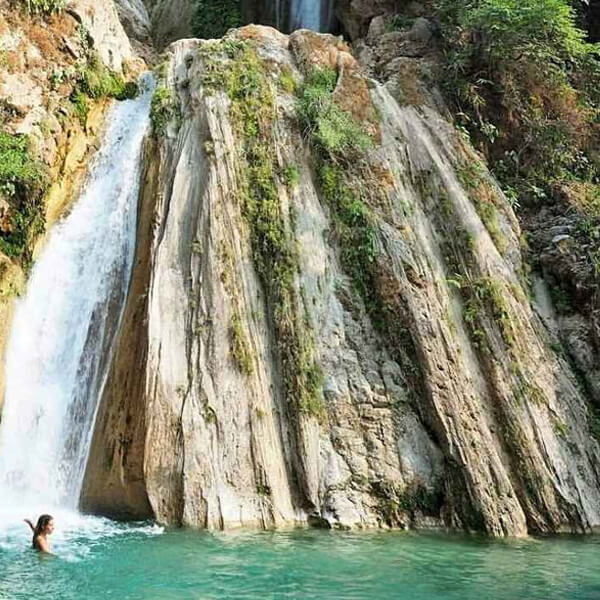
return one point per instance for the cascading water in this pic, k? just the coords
(304, 14)
(65, 325)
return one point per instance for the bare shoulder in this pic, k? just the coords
(41, 544)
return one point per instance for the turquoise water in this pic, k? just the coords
(126, 562)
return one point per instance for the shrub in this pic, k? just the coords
(44, 7)
(98, 81)
(80, 105)
(332, 130)
(23, 182)
(525, 83)
(212, 18)
(162, 109)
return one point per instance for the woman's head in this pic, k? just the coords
(45, 525)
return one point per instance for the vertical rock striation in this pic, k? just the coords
(317, 338)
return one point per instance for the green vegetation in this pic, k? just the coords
(162, 109)
(252, 110)
(355, 228)
(98, 81)
(485, 297)
(23, 182)
(355, 194)
(291, 176)
(44, 7)
(474, 179)
(333, 131)
(397, 502)
(212, 18)
(524, 82)
(94, 81)
(80, 105)
(240, 347)
(527, 391)
(399, 22)
(338, 138)
(287, 82)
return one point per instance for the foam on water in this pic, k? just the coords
(61, 341)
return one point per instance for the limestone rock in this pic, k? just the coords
(458, 413)
(135, 19)
(356, 15)
(101, 20)
(171, 20)
(20, 93)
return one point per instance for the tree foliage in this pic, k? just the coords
(524, 81)
(212, 18)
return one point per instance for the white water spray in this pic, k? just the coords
(65, 326)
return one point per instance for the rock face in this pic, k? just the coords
(171, 19)
(107, 34)
(262, 379)
(135, 19)
(356, 15)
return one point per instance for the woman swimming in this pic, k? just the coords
(44, 528)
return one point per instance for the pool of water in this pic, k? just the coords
(99, 559)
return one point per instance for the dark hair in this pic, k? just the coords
(41, 525)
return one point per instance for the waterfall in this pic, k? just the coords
(310, 14)
(65, 325)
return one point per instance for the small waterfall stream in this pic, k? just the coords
(65, 325)
(317, 15)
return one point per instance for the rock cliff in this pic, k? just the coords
(327, 320)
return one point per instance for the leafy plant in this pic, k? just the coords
(331, 129)
(98, 81)
(44, 7)
(240, 347)
(524, 81)
(212, 18)
(23, 182)
(291, 176)
(162, 109)
(287, 82)
(80, 105)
